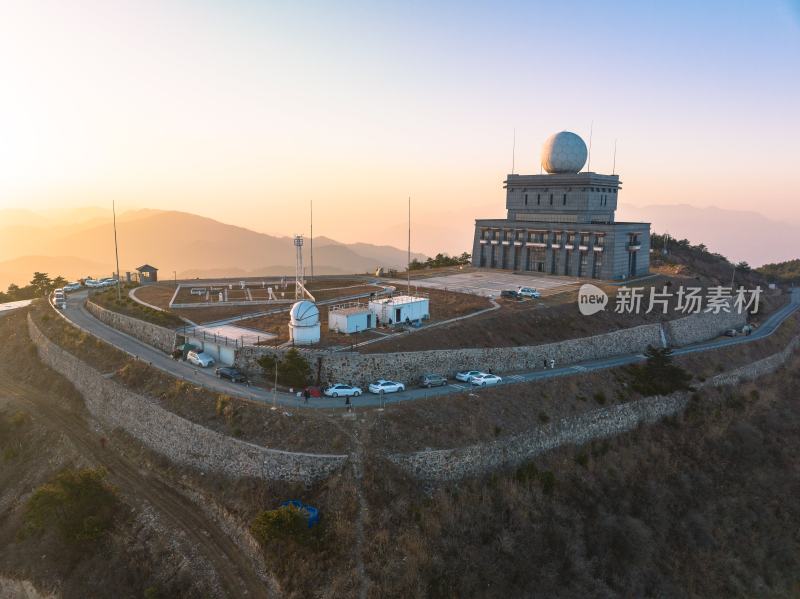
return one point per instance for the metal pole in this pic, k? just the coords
(275, 388)
(312, 241)
(116, 247)
(408, 266)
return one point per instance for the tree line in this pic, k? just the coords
(41, 284)
(441, 260)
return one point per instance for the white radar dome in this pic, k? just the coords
(563, 152)
(304, 314)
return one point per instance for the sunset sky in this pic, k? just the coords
(244, 111)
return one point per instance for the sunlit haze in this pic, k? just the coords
(246, 111)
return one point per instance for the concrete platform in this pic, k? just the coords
(490, 284)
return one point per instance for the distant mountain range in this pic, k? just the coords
(736, 234)
(190, 245)
(79, 242)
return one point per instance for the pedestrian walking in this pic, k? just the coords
(347, 403)
(552, 363)
(545, 362)
(306, 394)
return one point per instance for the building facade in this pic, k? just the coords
(562, 223)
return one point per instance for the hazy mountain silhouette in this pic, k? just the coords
(736, 234)
(172, 241)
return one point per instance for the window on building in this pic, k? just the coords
(551, 199)
(538, 199)
(564, 200)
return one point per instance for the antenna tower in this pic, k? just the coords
(298, 268)
(614, 166)
(408, 267)
(312, 240)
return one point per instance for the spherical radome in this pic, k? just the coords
(563, 152)
(304, 314)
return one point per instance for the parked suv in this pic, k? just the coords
(432, 380)
(509, 293)
(528, 292)
(201, 359)
(232, 374)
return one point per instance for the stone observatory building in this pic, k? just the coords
(562, 222)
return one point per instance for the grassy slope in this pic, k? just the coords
(698, 506)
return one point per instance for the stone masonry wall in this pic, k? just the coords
(701, 327)
(478, 459)
(178, 439)
(152, 334)
(362, 368)
(409, 366)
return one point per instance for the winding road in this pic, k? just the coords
(78, 315)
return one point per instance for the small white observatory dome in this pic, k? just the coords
(563, 152)
(304, 323)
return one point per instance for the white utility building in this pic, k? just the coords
(350, 318)
(304, 323)
(400, 309)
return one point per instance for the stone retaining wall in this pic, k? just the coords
(478, 459)
(178, 439)
(152, 334)
(701, 327)
(362, 368)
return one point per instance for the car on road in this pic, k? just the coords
(509, 293)
(731, 333)
(72, 287)
(200, 358)
(466, 375)
(432, 380)
(341, 390)
(484, 379)
(383, 386)
(232, 374)
(528, 292)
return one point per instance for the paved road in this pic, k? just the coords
(78, 314)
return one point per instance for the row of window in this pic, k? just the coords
(603, 199)
(535, 260)
(543, 236)
(592, 189)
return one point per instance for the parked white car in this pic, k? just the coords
(200, 358)
(383, 386)
(72, 287)
(484, 379)
(528, 292)
(466, 375)
(93, 283)
(340, 390)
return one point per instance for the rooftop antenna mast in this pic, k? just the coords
(298, 268)
(513, 151)
(408, 268)
(589, 162)
(116, 247)
(312, 241)
(614, 167)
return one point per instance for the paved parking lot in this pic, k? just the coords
(490, 284)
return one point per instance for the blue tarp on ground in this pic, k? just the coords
(312, 513)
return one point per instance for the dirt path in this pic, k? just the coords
(231, 565)
(357, 460)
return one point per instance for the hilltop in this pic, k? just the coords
(192, 245)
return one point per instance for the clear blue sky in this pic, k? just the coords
(245, 110)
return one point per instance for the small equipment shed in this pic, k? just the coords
(400, 309)
(350, 318)
(147, 274)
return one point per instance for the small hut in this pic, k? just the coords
(147, 274)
